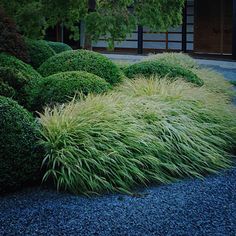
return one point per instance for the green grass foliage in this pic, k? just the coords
(180, 59)
(59, 47)
(161, 69)
(146, 131)
(62, 87)
(19, 156)
(84, 60)
(214, 81)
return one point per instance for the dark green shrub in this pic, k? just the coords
(17, 74)
(10, 40)
(39, 51)
(6, 90)
(62, 87)
(19, 158)
(27, 71)
(13, 77)
(12, 84)
(59, 47)
(149, 68)
(84, 60)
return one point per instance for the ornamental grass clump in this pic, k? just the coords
(146, 131)
(179, 59)
(214, 81)
(211, 79)
(199, 103)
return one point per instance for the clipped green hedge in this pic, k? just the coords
(13, 77)
(39, 51)
(27, 71)
(12, 84)
(59, 47)
(62, 87)
(84, 60)
(6, 90)
(150, 68)
(17, 75)
(19, 158)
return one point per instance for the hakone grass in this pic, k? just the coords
(146, 131)
(180, 59)
(212, 80)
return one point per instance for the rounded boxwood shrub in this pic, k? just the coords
(62, 87)
(149, 68)
(84, 60)
(19, 158)
(6, 90)
(59, 47)
(39, 51)
(27, 71)
(12, 84)
(17, 74)
(13, 77)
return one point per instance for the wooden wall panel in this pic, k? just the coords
(228, 27)
(159, 41)
(213, 26)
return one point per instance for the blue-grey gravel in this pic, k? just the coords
(188, 207)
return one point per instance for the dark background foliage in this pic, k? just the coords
(10, 39)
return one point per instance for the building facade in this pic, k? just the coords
(209, 28)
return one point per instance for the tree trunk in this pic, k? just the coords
(88, 38)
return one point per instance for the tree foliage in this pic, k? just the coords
(10, 40)
(112, 19)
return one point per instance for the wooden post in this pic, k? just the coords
(184, 29)
(140, 39)
(234, 31)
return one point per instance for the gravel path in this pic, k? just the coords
(190, 207)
